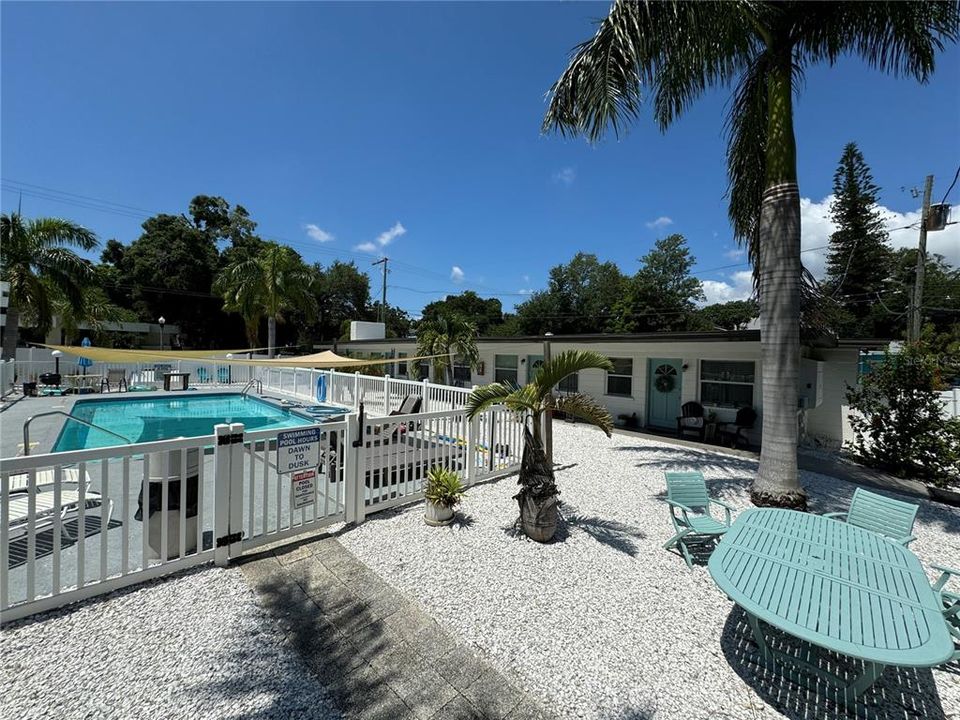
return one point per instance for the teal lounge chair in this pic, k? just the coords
(881, 514)
(687, 492)
(951, 605)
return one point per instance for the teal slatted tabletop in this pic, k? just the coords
(836, 586)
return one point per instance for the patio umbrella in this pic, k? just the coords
(85, 362)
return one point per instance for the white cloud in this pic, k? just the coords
(388, 236)
(735, 253)
(383, 239)
(816, 228)
(740, 287)
(660, 223)
(317, 233)
(526, 278)
(525, 291)
(456, 274)
(565, 176)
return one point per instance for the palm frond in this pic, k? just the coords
(568, 362)
(486, 396)
(54, 232)
(587, 409)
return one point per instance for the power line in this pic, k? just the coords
(957, 175)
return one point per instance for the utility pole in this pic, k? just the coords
(548, 415)
(382, 315)
(913, 326)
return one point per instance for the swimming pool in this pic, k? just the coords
(162, 418)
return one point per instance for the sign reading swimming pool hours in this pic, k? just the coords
(298, 450)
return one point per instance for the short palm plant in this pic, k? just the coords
(538, 488)
(443, 492)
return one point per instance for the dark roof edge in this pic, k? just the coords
(699, 336)
(867, 343)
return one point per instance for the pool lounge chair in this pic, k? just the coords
(44, 502)
(410, 405)
(117, 378)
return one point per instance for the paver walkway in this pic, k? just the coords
(378, 653)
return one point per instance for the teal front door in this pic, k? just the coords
(664, 380)
(533, 364)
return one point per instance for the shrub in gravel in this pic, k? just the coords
(443, 492)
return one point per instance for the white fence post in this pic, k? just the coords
(356, 390)
(221, 493)
(235, 547)
(354, 498)
(386, 395)
(473, 429)
(424, 406)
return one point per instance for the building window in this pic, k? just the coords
(505, 367)
(461, 372)
(620, 379)
(726, 383)
(401, 365)
(570, 384)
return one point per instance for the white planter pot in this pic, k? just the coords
(437, 515)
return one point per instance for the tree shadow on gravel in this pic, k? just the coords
(899, 694)
(611, 533)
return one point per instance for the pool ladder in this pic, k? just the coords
(251, 383)
(26, 427)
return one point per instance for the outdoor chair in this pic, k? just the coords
(687, 492)
(43, 501)
(691, 420)
(951, 606)
(410, 405)
(117, 378)
(881, 514)
(745, 420)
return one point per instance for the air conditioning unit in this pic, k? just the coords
(810, 390)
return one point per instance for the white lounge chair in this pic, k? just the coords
(44, 506)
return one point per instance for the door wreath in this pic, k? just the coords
(663, 383)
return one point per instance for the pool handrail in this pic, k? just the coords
(26, 427)
(251, 382)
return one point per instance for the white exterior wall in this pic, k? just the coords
(827, 424)
(593, 382)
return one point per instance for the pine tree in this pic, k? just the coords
(859, 257)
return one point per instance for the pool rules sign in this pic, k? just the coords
(298, 452)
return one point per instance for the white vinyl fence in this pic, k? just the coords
(8, 369)
(380, 395)
(78, 524)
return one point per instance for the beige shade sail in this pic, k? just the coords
(326, 360)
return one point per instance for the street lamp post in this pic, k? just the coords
(162, 322)
(548, 415)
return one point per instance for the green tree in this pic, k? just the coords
(663, 293)
(858, 259)
(485, 313)
(36, 259)
(343, 293)
(94, 314)
(680, 50)
(398, 323)
(580, 298)
(538, 487)
(447, 337)
(272, 283)
(171, 267)
(897, 418)
(733, 315)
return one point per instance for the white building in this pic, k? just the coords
(720, 370)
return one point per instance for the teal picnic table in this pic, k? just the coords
(835, 586)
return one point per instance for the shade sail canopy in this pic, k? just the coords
(326, 360)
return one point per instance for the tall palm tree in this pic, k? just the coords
(271, 283)
(96, 312)
(36, 259)
(445, 337)
(538, 488)
(681, 49)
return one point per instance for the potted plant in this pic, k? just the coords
(537, 499)
(443, 492)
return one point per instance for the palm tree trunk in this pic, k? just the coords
(778, 482)
(11, 332)
(271, 336)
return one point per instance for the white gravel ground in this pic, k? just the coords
(606, 624)
(193, 646)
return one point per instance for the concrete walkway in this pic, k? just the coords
(378, 654)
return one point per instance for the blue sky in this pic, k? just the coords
(414, 130)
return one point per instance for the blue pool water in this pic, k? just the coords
(161, 418)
